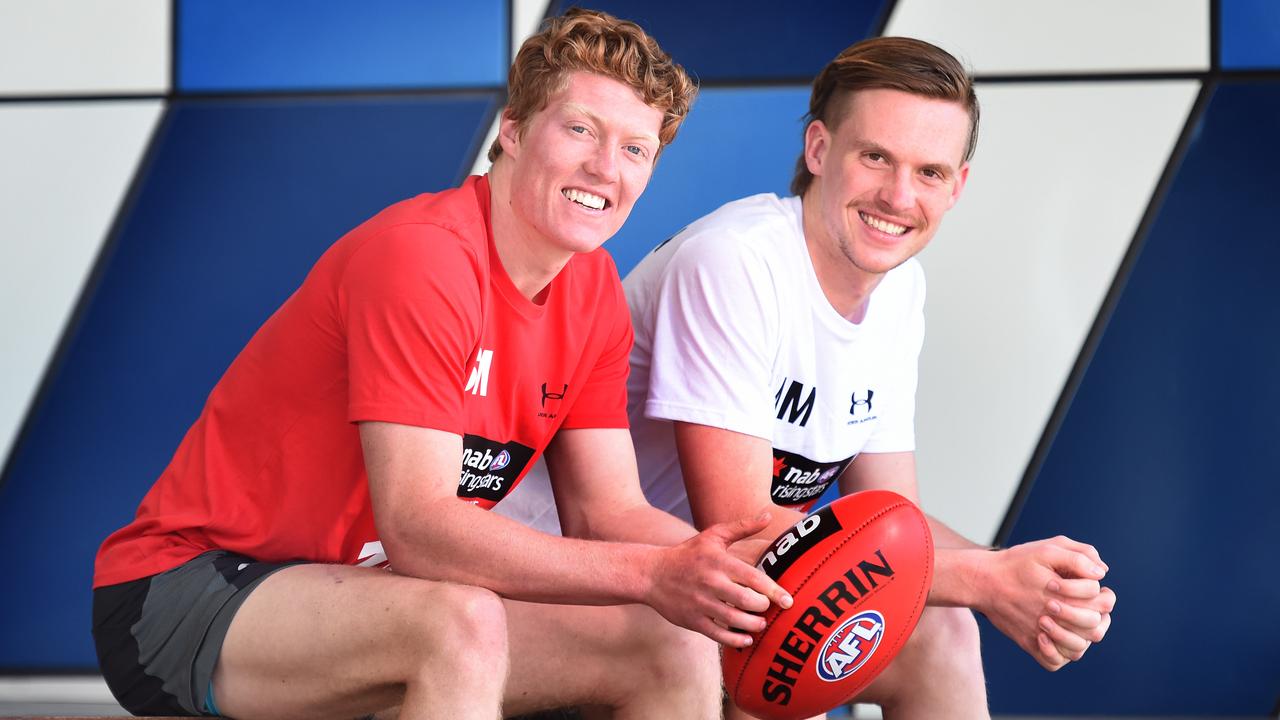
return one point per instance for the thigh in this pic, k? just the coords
(330, 641)
(158, 637)
(578, 655)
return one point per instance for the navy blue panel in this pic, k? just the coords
(735, 143)
(241, 200)
(226, 45)
(750, 39)
(1168, 460)
(1250, 34)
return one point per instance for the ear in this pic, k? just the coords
(962, 177)
(816, 141)
(509, 135)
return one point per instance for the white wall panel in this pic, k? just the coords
(526, 16)
(66, 167)
(1062, 176)
(84, 47)
(1029, 36)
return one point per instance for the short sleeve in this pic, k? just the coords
(715, 327)
(895, 431)
(603, 402)
(410, 300)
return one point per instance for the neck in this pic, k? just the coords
(846, 286)
(528, 259)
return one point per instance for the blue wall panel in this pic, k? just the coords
(750, 39)
(1167, 460)
(228, 45)
(1250, 34)
(240, 201)
(736, 142)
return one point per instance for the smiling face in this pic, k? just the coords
(884, 177)
(579, 164)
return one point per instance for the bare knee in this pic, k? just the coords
(945, 642)
(940, 664)
(461, 627)
(949, 635)
(669, 656)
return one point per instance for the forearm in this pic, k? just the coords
(945, 537)
(960, 577)
(464, 544)
(959, 568)
(641, 523)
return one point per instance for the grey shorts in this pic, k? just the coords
(158, 638)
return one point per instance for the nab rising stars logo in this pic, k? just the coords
(850, 646)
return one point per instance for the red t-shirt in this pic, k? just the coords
(409, 318)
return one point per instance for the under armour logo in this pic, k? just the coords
(553, 395)
(853, 409)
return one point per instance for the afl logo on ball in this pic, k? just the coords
(502, 460)
(850, 646)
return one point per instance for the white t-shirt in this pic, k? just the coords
(732, 330)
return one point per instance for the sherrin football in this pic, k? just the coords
(859, 571)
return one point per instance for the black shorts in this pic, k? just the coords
(159, 637)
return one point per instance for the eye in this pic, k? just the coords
(578, 129)
(636, 150)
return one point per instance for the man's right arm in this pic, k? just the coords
(727, 475)
(428, 532)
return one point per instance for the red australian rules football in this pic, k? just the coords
(859, 570)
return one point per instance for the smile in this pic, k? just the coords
(584, 198)
(883, 226)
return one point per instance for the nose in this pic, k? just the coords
(603, 163)
(898, 192)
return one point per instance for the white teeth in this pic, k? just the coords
(585, 198)
(882, 225)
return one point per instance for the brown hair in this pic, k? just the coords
(593, 41)
(894, 63)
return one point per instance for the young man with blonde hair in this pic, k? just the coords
(776, 350)
(319, 545)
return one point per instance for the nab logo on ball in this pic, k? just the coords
(850, 646)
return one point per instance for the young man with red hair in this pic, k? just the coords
(319, 545)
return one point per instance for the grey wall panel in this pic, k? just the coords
(1052, 36)
(84, 47)
(66, 168)
(1062, 176)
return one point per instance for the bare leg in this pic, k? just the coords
(317, 641)
(938, 673)
(625, 658)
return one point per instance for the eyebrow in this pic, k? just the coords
(578, 109)
(946, 170)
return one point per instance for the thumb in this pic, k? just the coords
(1074, 564)
(735, 530)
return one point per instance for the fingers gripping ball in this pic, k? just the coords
(859, 570)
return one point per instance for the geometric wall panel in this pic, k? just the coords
(84, 47)
(1250, 34)
(240, 199)
(751, 39)
(716, 158)
(229, 45)
(66, 168)
(1018, 271)
(1044, 36)
(1167, 458)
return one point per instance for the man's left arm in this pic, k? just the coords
(1045, 595)
(598, 497)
